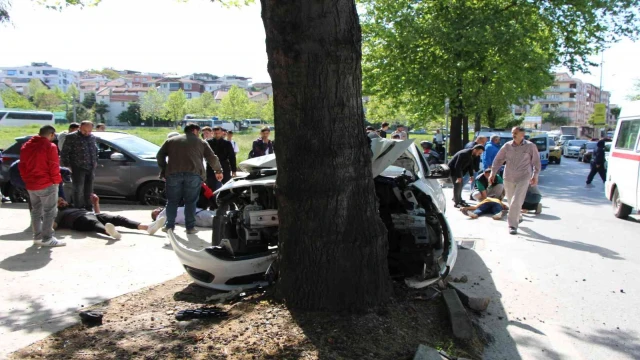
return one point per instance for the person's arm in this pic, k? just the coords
(537, 164)
(500, 158)
(54, 165)
(95, 200)
(161, 157)
(232, 157)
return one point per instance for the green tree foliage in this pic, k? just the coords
(555, 119)
(616, 111)
(204, 106)
(13, 100)
(476, 54)
(89, 100)
(266, 112)
(34, 87)
(152, 106)
(132, 115)
(535, 110)
(175, 105)
(47, 100)
(236, 105)
(72, 93)
(100, 109)
(379, 110)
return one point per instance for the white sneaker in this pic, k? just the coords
(156, 225)
(497, 216)
(53, 242)
(111, 230)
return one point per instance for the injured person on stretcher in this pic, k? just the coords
(83, 220)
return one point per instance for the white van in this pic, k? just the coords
(25, 117)
(252, 123)
(623, 169)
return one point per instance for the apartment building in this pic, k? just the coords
(51, 76)
(192, 88)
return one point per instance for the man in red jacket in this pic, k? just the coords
(40, 170)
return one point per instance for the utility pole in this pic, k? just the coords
(601, 72)
(74, 108)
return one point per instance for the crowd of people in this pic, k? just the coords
(46, 159)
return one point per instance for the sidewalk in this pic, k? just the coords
(43, 288)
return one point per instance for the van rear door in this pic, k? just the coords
(624, 162)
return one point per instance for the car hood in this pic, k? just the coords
(384, 153)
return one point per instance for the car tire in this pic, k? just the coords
(153, 194)
(620, 210)
(17, 195)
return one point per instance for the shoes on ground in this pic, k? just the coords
(111, 230)
(457, 206)
(497, 216)
(156, 225)
(192, 231)
(512, 230)
(53, 242)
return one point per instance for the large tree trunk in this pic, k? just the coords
(465, 129)
(491, 118)
(333, 247)
(457, 120)
(477, 123)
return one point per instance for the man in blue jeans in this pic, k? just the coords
(490, 206)
(180, 161)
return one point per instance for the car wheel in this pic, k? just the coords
(620, 210)
(153, 193)
(17, 195)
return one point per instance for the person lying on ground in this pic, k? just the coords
(490, 206)
(204, 217)
(484, 189)
(83, 220)
(532, 200)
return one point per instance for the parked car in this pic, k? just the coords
(586, 151)
(245, 229)
(127, 168)
(555, 152)
(572, 148)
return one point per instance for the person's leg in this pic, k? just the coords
(88, 223)
(192, 183)
(603, 173)
(88, 190)
(226, 174)
(174, 184)
(519, 192)
(118, 220)
(457, 191)
(50, 210)
(495, 191)
(592, 173)
(77, 176)
(36, 214)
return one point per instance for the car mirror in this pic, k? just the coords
(118, 157)
(440, 171)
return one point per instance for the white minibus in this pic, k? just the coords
(623, 169)
(10, 117)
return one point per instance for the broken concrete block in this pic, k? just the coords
(427, 353)
(460, 322)
(474, 303)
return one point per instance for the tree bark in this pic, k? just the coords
(477, 124)
(457, 120)
(465, 129)
(333, 246)
(491, 118)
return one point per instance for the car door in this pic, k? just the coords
(112, 177)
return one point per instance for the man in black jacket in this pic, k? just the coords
(597, 164)
(227, 157)
(463, 162)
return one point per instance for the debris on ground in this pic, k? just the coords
(90, 318)
(473, 303)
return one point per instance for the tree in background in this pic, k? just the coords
(175, 105)
(35, 85)
(152, 106)
(89, 100)
(100, 109)
(204, 106)
(132, 115)
(266, 113)
(379, 110)
(555, 119)
(13, 100)
(616, 112)
(236, 105)
(106, 72)
(45, 99)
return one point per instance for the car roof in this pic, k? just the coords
(110, 135)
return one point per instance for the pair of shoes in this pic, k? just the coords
(156, 225)
(497, 216)
(539, 208)
(512, 230)
(192, 231)
(53, 242)
(111, 231)
(464, 203)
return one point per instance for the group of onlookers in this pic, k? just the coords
(399, 134)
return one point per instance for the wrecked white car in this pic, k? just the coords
(245, 228)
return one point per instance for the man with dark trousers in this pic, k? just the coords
(227, 157)
(597, 164)
(462, 163)
(80, 154)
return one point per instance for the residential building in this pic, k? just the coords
(260, 86)
(140, 80)
(240, 81)
(52, 76)
(255, 96)
(118, 103)
(192, 88)
(20, 85)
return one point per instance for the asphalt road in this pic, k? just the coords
(566, 287)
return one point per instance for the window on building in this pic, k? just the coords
(187, 86)
(21, 72)
(188, 95)
(572, 86)
(628, 134)
(174, 86)
(11, 72)
(50, 72)
(30, 73)
(572, 96)
(38, 72)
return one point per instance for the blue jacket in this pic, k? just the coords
(16, 180)
(490, 152)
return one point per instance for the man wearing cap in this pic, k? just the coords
(484, 189)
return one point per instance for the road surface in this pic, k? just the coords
(566, 287)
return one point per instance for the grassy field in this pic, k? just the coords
(154, 135)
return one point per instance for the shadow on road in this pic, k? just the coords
(532, 235)
(26, 234)
(625, 343)
(33, 258)
(496, 319)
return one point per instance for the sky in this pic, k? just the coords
(172, 36)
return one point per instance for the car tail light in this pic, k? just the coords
(7, 160)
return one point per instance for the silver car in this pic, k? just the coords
(572, 148)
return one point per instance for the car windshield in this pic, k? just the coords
(137, 146)
(577, 142)
(541, 143)
(591, 145)
(567, 137)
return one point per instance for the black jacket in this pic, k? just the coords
(598, 155)
(224, 151)
(462, 162)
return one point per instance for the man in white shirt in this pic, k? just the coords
(400, 131)
(236, 148)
